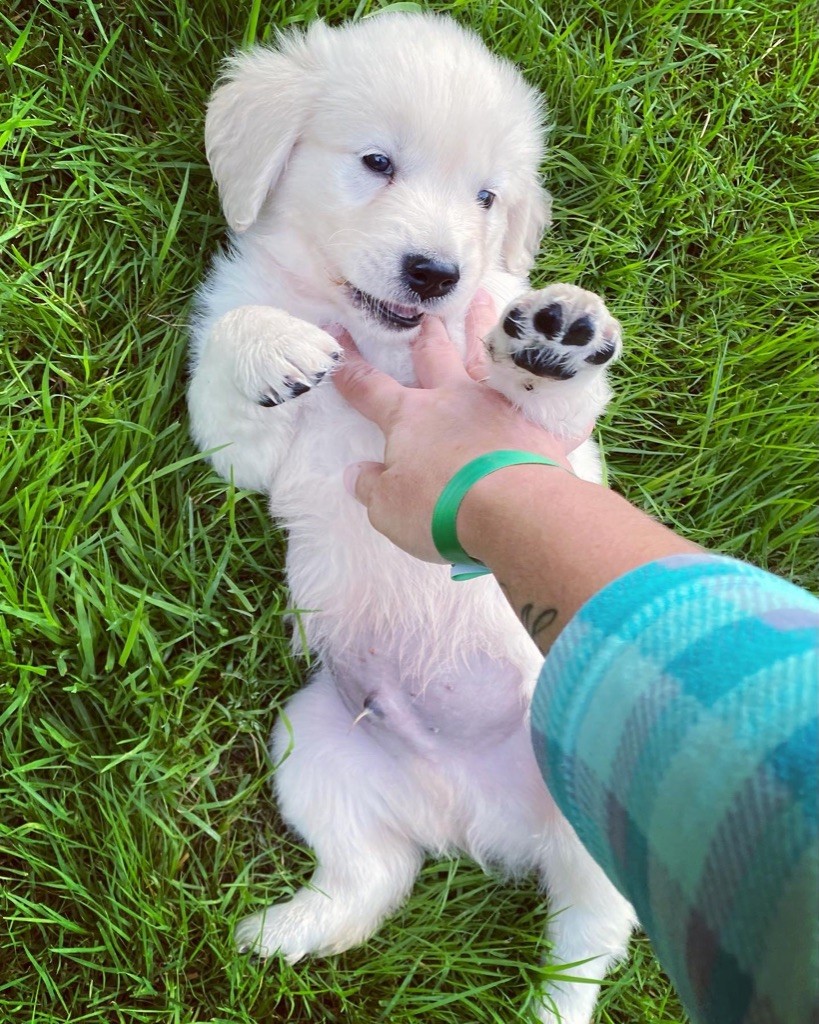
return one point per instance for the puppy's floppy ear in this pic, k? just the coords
(528, 219)
(254, 119)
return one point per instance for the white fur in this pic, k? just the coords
(439, 759)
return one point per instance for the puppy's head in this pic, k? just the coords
(385, 165)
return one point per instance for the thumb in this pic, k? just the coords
(360, 479)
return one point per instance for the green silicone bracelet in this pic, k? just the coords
(445, 514)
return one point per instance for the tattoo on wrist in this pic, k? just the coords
(535, 620)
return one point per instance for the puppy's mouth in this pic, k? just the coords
(391, 314)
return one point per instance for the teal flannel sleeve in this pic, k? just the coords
(675, 722)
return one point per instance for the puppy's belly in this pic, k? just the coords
(404, 702)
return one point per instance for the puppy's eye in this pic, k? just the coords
(379, 163)
(485, 198)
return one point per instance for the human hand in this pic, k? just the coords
(433, 430)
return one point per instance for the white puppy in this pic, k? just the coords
(370, 175)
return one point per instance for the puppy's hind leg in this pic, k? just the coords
(331, 788)
(590, 927)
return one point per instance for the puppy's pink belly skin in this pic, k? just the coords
(474, 699)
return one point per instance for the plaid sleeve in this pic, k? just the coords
(676, 724)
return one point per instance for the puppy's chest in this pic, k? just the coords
(406, 699)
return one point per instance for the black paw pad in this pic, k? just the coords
(602, 356)
(514, 322)
(269, 401)
(580, 332)
(542, 363)
(297, 388)
(549, 321)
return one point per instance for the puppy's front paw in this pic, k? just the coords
(549, 353)
(555, 334)
(274, 356)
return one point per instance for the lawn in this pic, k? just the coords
(143, 635)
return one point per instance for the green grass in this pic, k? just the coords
(143, 649)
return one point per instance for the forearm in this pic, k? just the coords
(553, 541)
(675, 723)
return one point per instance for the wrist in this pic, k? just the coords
(497, 505)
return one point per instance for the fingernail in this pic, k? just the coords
(570, 443)
(350, 476)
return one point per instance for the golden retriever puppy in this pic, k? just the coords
(372, 175)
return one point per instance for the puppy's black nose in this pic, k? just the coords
(429, 278)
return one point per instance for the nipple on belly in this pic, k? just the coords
(371, 709)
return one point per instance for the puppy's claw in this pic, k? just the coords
(270, 401)
(297, 388)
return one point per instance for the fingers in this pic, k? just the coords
(435, 358)
(436, 361)
(481, 317)
(373, 393)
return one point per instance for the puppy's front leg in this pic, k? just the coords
(251, 368)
